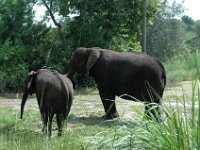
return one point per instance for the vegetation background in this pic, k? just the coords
(27, 44)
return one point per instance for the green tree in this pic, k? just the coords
(19, 38)
(15, 18)
(194, 42)
(97, 22)
(188, 21)
(165, 38)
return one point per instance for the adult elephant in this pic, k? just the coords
(54, 94)
(135, 76)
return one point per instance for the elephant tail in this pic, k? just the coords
(164, 77)
(24, 98)
(42, 95)
(163, 74)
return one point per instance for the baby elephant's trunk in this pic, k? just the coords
(24, 98)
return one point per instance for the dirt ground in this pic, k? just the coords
(85, 104)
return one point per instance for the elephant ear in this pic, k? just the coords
(92, 59)
(30, 80)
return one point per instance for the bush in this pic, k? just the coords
(13, 67)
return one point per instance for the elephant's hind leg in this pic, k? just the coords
(45, 121)
(50, 118)
(59, 119)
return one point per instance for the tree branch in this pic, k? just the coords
(51, 13)
(51, 4)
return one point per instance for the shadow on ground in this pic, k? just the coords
(98, 121)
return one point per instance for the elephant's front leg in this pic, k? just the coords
(109, 105)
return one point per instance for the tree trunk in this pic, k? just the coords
(144, 11)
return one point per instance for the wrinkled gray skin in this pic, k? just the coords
(126, 75)
(54, 94)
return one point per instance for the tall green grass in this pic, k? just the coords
(178, 130)
(182, 68)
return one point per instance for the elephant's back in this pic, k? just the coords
(133, 62)
(125, 73)
(50, 89)
(53, 80)
(46, 78)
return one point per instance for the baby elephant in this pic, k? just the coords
(54, 94)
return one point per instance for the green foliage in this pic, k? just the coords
(97, 22)
(189, 22)
(15, 18)
(194, 42)
(50, 51)
(13, 67)
(165, 38)
(124, 45)
(84, 81)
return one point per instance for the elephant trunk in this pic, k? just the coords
(66, 70)
(69, 71)
(24, 98)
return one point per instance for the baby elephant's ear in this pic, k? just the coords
(31, 75)
(92, 59)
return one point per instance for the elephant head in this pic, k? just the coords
(29, 89)
(82, 60)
